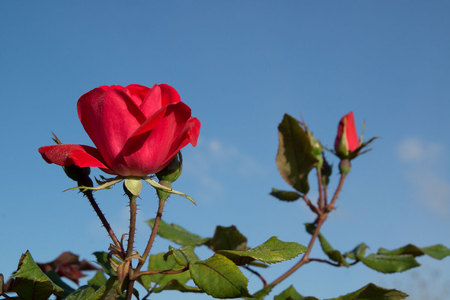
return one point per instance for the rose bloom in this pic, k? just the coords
(347, 137)
(137, 130)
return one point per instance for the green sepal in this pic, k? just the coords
(104, 184)
(161, 187)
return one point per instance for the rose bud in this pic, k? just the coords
(347, 138)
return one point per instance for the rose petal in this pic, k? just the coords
(68, 155)
(109, 117)
(149, 152)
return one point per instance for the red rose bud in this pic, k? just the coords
(136, 130)
(347, 137)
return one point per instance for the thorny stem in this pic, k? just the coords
(321, 218)
(133, 213)
(152, 235)
(105, 223)
(257, 274)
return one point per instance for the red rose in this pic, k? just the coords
(347, 137)
(137, 130)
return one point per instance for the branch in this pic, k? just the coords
(257, 274)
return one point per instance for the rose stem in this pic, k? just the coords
(100, 214)
(322, 216)
(87, 181)
(133, 213)
(162, 201)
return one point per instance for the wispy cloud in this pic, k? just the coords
(214, 160)
(424, 163)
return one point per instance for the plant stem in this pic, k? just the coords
(330, 206)
(105, 223)
(321, 218)
(133, 213)
(257, 274)
(304, 259)
(162, 201)
(325, 261)
(321, 200)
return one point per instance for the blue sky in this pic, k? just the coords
(240, 65)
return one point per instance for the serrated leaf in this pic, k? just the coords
(227, 238)
(373, 292)
(390, 263)
(158, 262)
(271, 251)
(219, 277)
(294, 158)
(177, 234)
(30, 282)
(102, 260)
(287, 196)
(261, 294)
(436, 251)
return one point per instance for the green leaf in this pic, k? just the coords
(219, 277)
(83, 293)
(54, 277)
(357, 253)
(31, 283)
(227, 238)
(102, 260)
(373, 292)
(285, 195)
(271, 251)
(158, 262)
(436, 251)
(182, 256)
(177, 234)
(294, 158)
(98, 280)
(178, 286)
(332, 253)
(390, 263)
(289, 294)
(261, 294)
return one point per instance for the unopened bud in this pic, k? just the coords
(173, 169)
